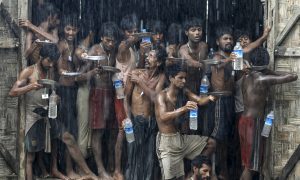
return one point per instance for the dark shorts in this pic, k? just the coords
(221, 114)
(101, 109)
(67, 109)
(35, 137)
(120, 111)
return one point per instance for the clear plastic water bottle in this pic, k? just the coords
(193, 119)
(119, 89)
(146, 39)
(268, 124)
(238, 62)
(52, 113)
(211, 53)
(204, 85)
(128, 128)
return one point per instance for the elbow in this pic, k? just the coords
(12, 94)
(294, 77)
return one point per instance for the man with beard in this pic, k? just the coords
(101, 107)
(222, 79)
(46, 30)
(126, 61)
(201, 166)
(141, 89)
(255, 88)
(171, 106)
(193, 52)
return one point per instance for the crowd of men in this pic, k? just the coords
(161, 80)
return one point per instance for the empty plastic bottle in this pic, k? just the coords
(238, 62)
(52, 113)
(119, 89)
(128, 128)
(268, 125)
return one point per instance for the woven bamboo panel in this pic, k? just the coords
(8, 106)
(287, 96)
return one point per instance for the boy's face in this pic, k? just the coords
(108, 42)
(46, 63)
(244, 40)
(179, 80)
(194, 33)
(70, 32)
(130, 32)
(157, 37)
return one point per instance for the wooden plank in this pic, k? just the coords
(288, 27)
(290, 164)
(9, 43)
(290, 52)
(10, 160)
(24, 7)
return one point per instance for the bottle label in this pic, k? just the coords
(128, 130)
(269, 121)
(193, 113)
(238, 53)
(203, 89)
(118, 84)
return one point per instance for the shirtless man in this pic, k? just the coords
(194, 51)
(46, 30)
(255, 88)
(68, 92)
(171, 106)
(126, 62)
(141, 90)
(101, 93)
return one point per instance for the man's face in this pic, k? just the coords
(179, 80)
(46, 64)
(244, 40)
(53, 21)
(70, 32)
(194, 34)
(203, 173)
(151, 60)
(130, 32)
(108, 42)
(225, 43)
(157, 37)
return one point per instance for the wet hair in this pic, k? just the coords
(161, 55)
(174, 68)
(129, 21)
(199, 160)
(240, 33)
(223, 30)
(43, 12)
(51, 51)
(70, 19)
(86, 26)
(175, 33)
(157, 26)
(192, 22)
(259, 57)
(110, 29)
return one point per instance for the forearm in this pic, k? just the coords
(20, 91)
(44, 34)
(147, 91)
(203, 100)
(254, 44)
(173, 115)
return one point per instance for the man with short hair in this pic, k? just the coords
(193, 52)
(101, 107)
(255, 88)
(46, 29)
(201, 167)
(141, 90)
(171, 107)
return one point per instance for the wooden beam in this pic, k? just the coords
(10, 160)
(287, 28)
(287, 52)
(290, 164)
(9, 20)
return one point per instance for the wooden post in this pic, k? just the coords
(24, 7)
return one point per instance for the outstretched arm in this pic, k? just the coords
(200, 100)
(258, 42)
(277, 79)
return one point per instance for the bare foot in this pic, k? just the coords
(105, 176)
(57, 174)
(118, 176)
(73, 175)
